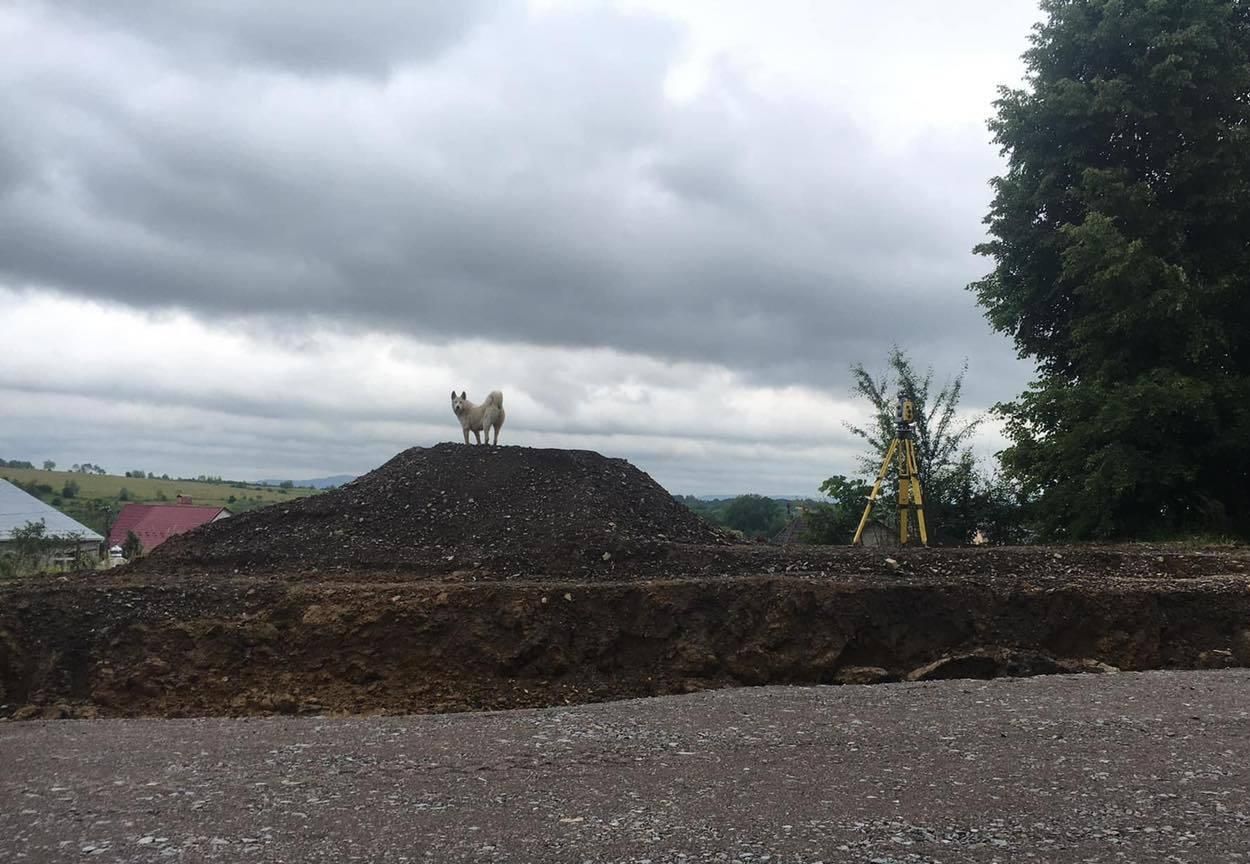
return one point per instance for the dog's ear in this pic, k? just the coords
(462, 396)
(453, 394)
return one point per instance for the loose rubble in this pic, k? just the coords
(452, 508)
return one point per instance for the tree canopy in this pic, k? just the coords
(1119, 239)
(755, 515)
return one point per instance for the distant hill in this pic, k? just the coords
(315, 483)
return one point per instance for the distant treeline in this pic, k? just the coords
(756, 516)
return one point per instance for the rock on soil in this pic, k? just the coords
(455, 508)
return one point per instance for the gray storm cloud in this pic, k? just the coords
(468, 170)
(307, 37)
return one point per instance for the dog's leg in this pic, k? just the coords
(477, 436)
(466, 435)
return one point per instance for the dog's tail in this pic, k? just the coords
(495, 398)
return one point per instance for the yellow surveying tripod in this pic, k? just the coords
(909, 495)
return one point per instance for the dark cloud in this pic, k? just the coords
(317, 37)
(532, 185)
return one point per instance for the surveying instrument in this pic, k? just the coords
(910, 498)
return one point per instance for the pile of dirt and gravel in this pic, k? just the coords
(452, 508)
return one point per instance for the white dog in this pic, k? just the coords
(479, 418)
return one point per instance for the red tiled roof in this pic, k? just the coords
(153, 524)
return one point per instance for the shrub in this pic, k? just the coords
(132, 547)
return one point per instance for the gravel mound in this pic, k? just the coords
(454, 508)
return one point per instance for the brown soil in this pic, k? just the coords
(452, 508)
(464, 578)
(147, 645)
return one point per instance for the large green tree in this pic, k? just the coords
(1121, 241)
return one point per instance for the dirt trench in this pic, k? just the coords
(252, 646)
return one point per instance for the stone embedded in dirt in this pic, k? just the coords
(27, 712)
(1217, 658)
(1088, 665)
(452, 508)
(987, 663)
(862, 675)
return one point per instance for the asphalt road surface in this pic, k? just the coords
(1146, 767)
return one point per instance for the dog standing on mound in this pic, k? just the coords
(479, 418)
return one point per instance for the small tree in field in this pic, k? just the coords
(31, 547)
(942, 438)
(947, 466)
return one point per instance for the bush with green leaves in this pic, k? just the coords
(28, 549)
(834, 520)
(132, 546)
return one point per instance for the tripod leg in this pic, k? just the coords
(917, 495)
(904, 493)
(876, 490)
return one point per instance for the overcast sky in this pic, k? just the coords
(267, 240)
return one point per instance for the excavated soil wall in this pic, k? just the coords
(251, 646)
(464, 578)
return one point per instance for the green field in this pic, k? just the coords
(101, 496)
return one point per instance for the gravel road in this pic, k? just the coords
(1129, 767)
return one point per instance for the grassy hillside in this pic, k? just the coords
(100, 496)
